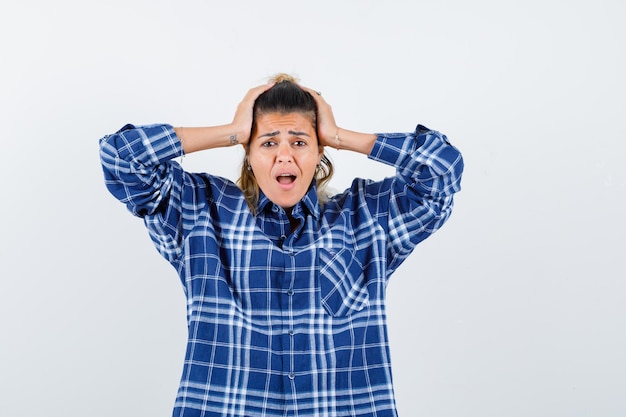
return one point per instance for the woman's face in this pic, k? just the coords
(284, 154)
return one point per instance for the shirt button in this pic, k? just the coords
(291, 376)
(290, 332)
(290, 293)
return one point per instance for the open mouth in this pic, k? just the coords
(286, 179)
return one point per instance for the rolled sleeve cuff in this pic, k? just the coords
(153, 143)
(390, 148)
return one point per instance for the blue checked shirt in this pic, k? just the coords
(280, 323)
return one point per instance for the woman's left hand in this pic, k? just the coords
(326, 125)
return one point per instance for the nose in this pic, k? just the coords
(283, 154)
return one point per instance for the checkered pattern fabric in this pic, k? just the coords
(281, 322)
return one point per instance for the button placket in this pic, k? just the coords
(289, 292)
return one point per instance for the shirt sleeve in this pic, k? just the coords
(416, 202)
(139, 171)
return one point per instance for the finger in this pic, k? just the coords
(317, 95)
(260, 89)
(255, 92)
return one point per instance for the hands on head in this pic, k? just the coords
(240, 129)
(242, 121)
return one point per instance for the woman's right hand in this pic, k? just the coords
(242, 122)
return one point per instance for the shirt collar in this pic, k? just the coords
(309, 202)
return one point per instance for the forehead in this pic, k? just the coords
(273, 121)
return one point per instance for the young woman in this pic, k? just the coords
(285, 285)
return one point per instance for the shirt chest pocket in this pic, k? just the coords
(343, 287)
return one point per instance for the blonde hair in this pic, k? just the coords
(286, 96)
(281, 76)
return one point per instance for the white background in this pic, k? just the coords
(515, 308)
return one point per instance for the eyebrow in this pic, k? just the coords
(291, 132)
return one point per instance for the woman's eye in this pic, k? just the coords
(268, 144)
(299, 143)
